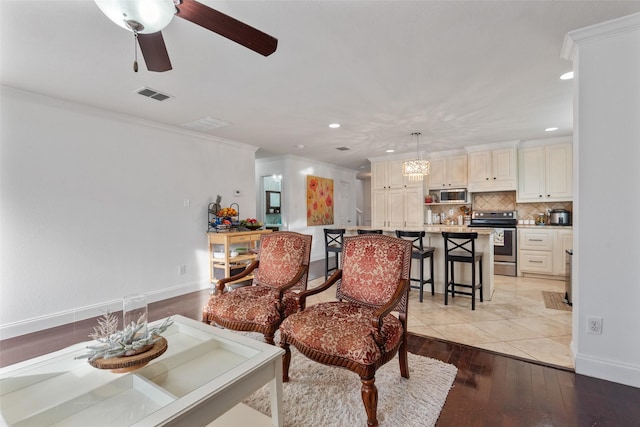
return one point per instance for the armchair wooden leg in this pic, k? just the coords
(286, 360)
(370, 399)
(404, 361)
(268, 338)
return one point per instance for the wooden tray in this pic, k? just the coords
(120, 365)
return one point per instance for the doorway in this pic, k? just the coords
(270, 208)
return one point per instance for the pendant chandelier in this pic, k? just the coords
(418, 168)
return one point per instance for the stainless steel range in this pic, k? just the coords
(505, 246)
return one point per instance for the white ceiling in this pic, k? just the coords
(460, 72)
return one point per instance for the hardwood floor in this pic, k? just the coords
(490, 389)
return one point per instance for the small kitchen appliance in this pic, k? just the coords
(454, 195)
(559, 217)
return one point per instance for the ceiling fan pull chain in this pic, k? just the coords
(135, 49)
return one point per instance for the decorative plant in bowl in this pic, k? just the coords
(132, 341)
(251, 224)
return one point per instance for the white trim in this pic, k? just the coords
(441, 154)
(609, 370)
(596, 32)
(546, 141)
(569, 48)
(99, 112)
(36, 324)
(492, 146)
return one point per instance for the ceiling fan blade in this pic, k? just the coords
(154, 51)
(227, 26)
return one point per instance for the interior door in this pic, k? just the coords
(343, 205)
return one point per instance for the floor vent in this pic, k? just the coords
(343, 148)
(154, 94)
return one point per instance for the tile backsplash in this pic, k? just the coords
(504, 201)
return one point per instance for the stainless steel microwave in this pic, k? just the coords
(454, 195)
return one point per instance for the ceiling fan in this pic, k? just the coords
(146, 18)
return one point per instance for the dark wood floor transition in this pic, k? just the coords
(489, 390)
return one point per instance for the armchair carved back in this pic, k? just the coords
(372, 268)
(281, 256)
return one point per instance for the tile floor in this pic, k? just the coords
(514, 322)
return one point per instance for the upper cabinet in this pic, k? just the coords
(388, 175)
(396, 201)
(493, 170)
(545, 173)
(448, 172)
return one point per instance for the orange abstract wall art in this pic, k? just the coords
(319, 201)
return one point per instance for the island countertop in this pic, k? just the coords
(439, 228)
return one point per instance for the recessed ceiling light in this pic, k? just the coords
(391, 151)
(550, 129)
(334, 125)
(567, 76)
(300, 146)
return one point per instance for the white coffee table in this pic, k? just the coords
(204, 373)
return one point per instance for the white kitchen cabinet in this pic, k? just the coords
(535, 253)
(542, 251)
(493, 170)
(397, 208)
(388, 175)
(448, 172)
(563, 241)
(395, 200)
(545, 173)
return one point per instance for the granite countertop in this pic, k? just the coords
(439, 228)
(545, 226)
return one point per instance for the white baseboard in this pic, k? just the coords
(608, 370)
(81, 313)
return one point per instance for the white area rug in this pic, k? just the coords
(322, 396)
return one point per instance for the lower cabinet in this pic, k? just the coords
(398, 208)
(541, 251)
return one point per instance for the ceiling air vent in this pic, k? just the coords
(152, 93)
(343, 148)
(205, 123)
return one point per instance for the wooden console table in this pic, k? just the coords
(225, 243)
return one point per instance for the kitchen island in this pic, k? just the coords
(433, 237)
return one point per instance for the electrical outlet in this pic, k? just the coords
(594, 325)
(187, 203)
(182, 269)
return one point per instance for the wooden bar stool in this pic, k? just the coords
(419, 252)
(461, 247)
(332, 244)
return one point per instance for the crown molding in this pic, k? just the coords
(492, 146)
(111, 115)
(573, 39)
(546, 141)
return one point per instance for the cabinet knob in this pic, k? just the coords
(487, 178)
(548, 195)
(494, 177)
(540, 195)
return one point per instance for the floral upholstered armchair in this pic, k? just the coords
(359, 331)
(280, 273)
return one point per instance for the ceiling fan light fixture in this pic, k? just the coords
(141, 16)
(416, 169)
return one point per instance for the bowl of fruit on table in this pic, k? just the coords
(251, 224)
